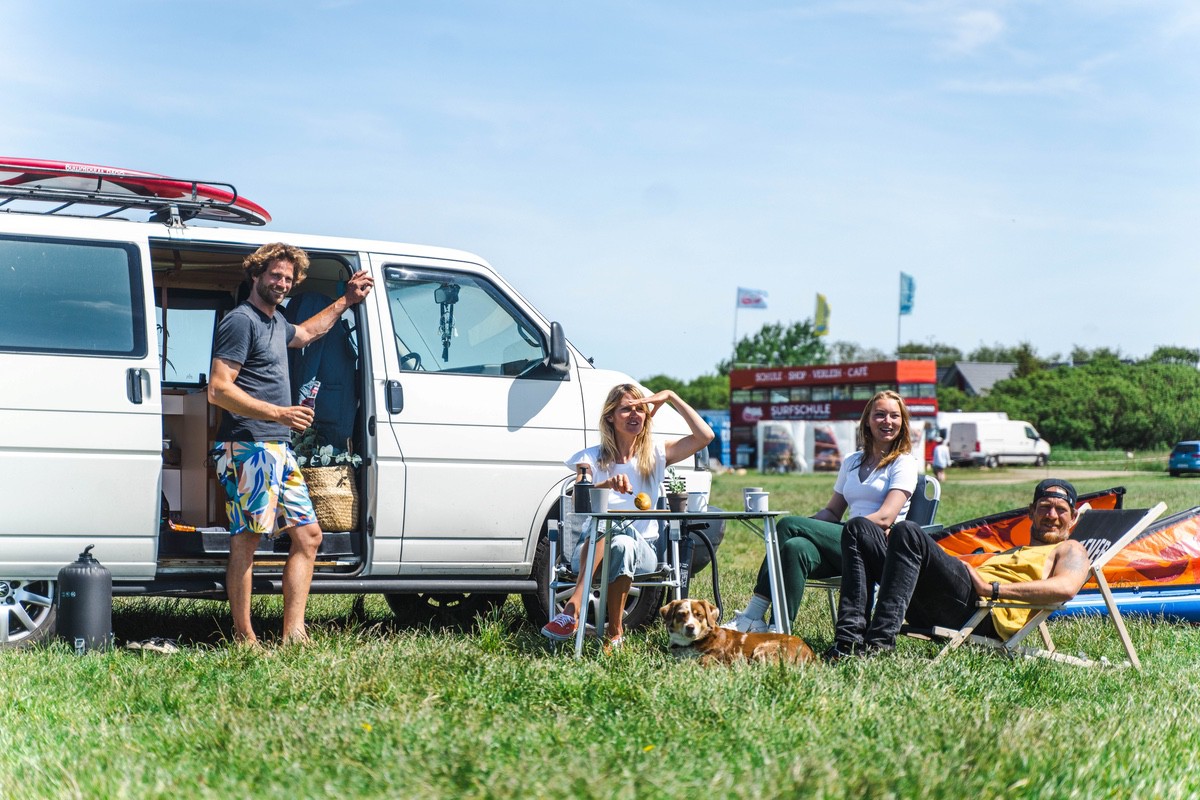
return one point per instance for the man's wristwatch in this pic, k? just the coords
(995, 591)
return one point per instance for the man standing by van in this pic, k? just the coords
(265, 490)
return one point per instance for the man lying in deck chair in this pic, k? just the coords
(919, 580)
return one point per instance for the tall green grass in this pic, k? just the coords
(374, 709)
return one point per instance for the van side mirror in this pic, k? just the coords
(558, 360)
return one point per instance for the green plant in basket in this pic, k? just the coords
(313, 451)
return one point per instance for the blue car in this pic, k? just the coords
(1184, 458)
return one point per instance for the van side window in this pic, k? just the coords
(455, 322)
(71, 297)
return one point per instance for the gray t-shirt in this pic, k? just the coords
(248, 337)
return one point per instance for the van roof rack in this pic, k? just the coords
(35, 186)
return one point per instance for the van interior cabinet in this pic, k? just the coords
(190, 422)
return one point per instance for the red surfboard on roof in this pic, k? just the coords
(215, 200)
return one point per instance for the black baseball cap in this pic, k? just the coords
(1056, 487)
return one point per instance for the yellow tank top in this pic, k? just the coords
(1015, 566)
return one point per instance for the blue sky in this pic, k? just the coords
(1034, 165)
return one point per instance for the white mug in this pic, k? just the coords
(757, 501)
(697, 502)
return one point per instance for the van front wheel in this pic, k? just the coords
(443, 609)
(27, 612)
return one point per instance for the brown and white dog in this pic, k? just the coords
(694, 633)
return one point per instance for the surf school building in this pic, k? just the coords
(823, 393)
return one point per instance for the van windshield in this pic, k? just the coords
(454, 322)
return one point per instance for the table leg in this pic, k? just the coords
(783, 622)
(602, 606)
(676, 533)
(588, 569)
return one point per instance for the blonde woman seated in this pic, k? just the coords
(626, 462)
(875, 482)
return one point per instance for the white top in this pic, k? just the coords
(652, 486)
(941, 455)
(865, 497)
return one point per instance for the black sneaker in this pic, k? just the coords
(838, 651)
(877, 650)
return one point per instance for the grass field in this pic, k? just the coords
(374, 710)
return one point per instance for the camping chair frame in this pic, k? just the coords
(562, 578)
(1101, 548)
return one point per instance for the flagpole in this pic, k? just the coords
(733, 354)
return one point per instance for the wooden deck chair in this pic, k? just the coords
(922, 509)
(1103, 533)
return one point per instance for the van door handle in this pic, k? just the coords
(395, 397)
(133, 384)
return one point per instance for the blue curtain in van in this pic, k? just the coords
(333, 361)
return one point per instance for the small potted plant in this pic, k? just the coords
(676, 491)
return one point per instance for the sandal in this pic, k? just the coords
(155, 644)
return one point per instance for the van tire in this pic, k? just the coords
(641, 608)
(992, 462)
(455, 610)
(1040, 461)
(32, 600)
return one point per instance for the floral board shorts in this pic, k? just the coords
(264, 488)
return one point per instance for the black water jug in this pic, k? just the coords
(85, 604)
(583, 485)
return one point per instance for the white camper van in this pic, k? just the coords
(460, 398)
(993, 442)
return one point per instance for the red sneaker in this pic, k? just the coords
(560, 628)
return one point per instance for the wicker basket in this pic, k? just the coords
(334, 494)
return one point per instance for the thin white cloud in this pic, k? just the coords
(973, 31)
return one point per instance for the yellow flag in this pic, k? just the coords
(821, 328)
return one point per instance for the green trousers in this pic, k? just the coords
(808, 548)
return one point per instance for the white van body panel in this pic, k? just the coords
(73, 439)
(997, 442)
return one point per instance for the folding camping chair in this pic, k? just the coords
(647, 590)
(1103, 532)
(922, 509)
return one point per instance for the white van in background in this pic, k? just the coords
(994, 442)
(460, 398)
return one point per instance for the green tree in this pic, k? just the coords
(1024, 355)
(842, 352)
(708, 391)
(1166, 354)
(944, 354)
(703, 392)
(1081, 355)
(777, 346)
(1106, 404)
(951, 398)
